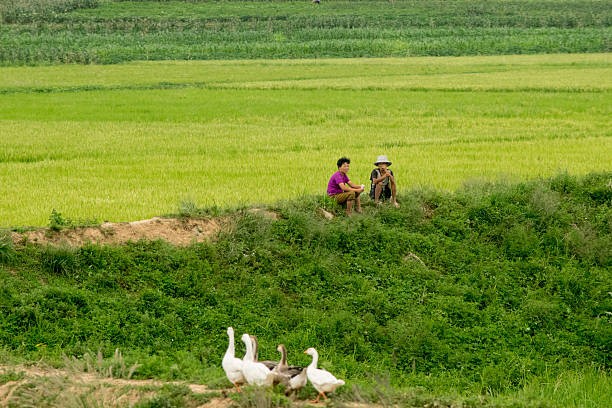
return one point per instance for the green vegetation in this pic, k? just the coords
(105, 32)
(132, 141)
(494, 294)
(489, 287)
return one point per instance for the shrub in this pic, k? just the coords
(57, 222)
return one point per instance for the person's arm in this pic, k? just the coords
(375, 176)
(382, 176)
(349, 186)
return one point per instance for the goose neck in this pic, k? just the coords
(230, 345)
(315, 360)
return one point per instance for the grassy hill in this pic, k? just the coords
(106, 31)
(489, 295)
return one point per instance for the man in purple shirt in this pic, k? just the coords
(342, 190)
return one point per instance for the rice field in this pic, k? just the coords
(135, 140)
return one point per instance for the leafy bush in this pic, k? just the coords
(57, 221)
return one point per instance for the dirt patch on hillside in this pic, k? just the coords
(177, 231)
(47, 386)
(33, 385)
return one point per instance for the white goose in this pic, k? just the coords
(232, 365)
(254, 372)
(323, 381)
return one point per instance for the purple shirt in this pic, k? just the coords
(333, 187)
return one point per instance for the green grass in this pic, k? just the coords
(107, 32)
(571, 389)
(559, 72)
(496, 295)
(131, 141)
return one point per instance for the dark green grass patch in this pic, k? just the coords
(484, 291)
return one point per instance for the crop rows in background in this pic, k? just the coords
(112, 32)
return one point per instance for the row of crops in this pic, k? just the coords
(116, 48)
(90, 31)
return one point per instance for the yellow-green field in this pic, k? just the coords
(127, 142)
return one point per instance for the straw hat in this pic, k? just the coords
(382, 159)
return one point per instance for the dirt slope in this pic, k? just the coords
(40, 385)
(177, 231)
(51, 387)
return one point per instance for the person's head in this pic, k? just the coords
(343, 164)
(382, 162)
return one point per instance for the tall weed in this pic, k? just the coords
(115, 367)
(60, 260)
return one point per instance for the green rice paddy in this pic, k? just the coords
(135, 140)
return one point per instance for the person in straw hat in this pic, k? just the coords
(382, 180)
